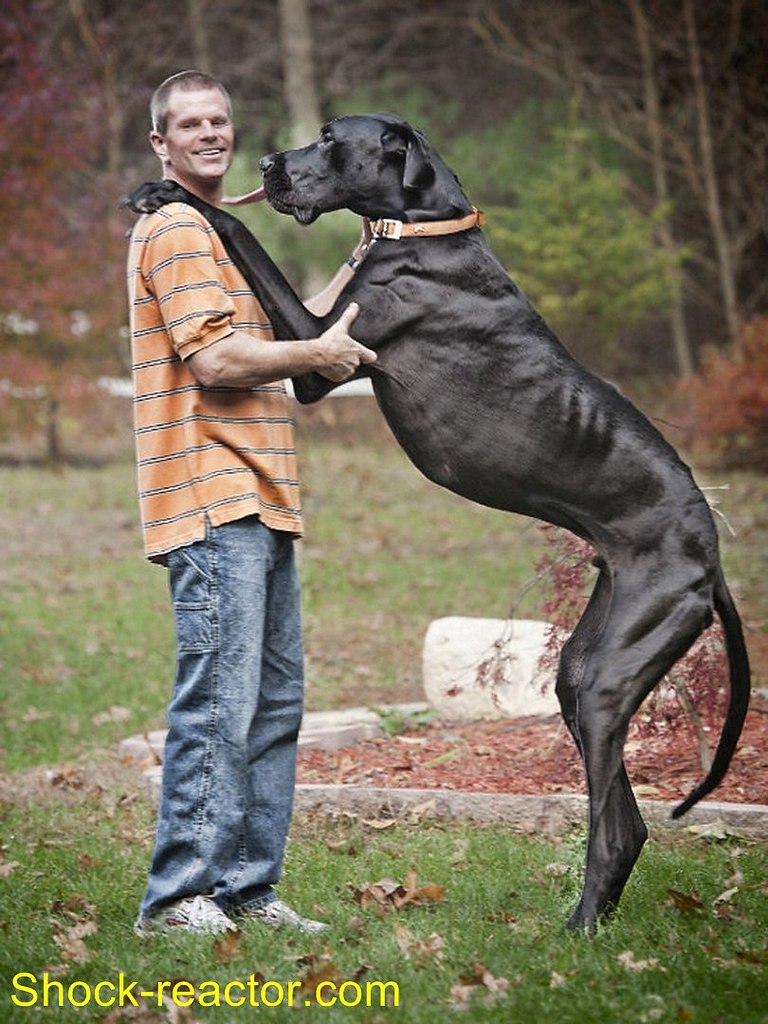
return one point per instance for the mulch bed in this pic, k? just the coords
(535, 756)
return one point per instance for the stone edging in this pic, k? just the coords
(549, 814)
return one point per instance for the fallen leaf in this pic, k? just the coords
(116, 713)
(8, 868)
(420, 811)
(71, 944)
(556, 870)
(725, 897)
(645, 789)
(227, 948)
(389, 895)
(321, 969)
(429, 893)
(481, 981)
(687, 903)
(347, 846)
(716, 830)
(627, 960)
(33, 714)
(557, 980)
(67, 777)
(379, 823)
(421, 951)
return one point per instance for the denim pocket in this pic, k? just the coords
(191, 592)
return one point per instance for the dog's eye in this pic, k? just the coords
(325, 140)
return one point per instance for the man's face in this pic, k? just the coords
(197, 147)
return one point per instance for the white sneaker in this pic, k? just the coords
(192, 914)
(279, 915)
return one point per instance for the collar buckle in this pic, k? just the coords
(387, 228)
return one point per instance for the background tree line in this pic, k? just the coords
(619, 148)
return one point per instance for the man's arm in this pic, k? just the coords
(240, 361)
(322, 303)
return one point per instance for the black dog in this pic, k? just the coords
(487, 402)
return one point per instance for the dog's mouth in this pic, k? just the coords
(284, 202)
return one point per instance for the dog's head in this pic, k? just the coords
(376, 165)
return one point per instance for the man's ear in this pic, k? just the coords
(418, 171)
(157, 142)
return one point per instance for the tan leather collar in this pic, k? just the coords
(386, 228)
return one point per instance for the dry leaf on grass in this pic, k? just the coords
(627, 960)
(687, 903)
(480, 984)
(321, 969)
(421, 951)
(116, 713)
(388, 895)
(725, 897)
(227, 948)
(70, 942)
(379, 823)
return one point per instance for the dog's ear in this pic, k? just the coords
(418, 171)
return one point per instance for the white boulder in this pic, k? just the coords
(487, 668)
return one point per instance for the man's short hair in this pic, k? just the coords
(185, 80)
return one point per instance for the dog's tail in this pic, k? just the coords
(739, 700)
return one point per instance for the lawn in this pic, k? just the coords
(86, 657)
(478, 923)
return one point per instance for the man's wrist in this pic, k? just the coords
(357, 257)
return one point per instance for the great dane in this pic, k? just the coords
(488, 403)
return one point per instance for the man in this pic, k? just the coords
(220, 507)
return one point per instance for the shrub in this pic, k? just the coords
(690, 698)
(728, 400)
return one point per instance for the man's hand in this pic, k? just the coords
(344, 355)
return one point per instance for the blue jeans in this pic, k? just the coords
(234, 717)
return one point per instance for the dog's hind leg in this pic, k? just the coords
(637, 637)
(625, 830)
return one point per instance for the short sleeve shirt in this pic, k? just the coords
(204, 454)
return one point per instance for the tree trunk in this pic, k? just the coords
(105, 60)
(299, 81)
(199, 36)
(681, 343)
(54, 456)
(301, 96)
(712, 197)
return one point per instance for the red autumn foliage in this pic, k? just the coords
(692, 696)
(728, 400)
(62, 260)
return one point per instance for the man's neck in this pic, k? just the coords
(210, 195)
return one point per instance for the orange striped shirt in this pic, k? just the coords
(203, 453)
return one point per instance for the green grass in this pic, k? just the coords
(82, 858)
(86, 657)
(86, 640)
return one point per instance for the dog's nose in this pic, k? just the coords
(266, 163)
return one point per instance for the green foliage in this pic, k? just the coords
(558, 216)
(583, 252)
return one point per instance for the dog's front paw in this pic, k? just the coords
(152, 195)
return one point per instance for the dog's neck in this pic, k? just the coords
(443, 200)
